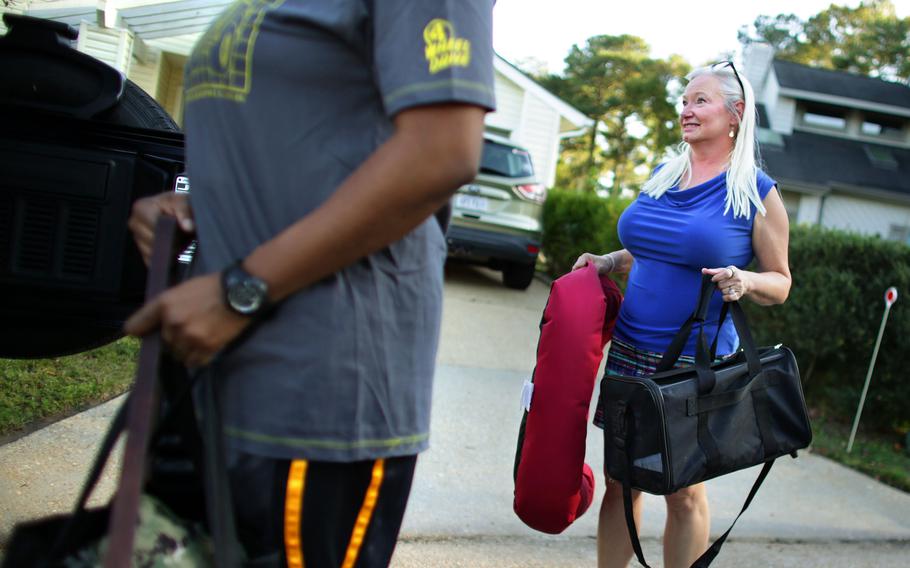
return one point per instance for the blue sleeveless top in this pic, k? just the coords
(672, 239)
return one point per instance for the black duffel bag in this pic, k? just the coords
(680, 427)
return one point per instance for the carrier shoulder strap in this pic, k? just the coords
(705, 559)
(140, 415)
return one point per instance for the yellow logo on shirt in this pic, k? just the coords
(444, 49)
(221, 64)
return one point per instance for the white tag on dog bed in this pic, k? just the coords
(527, 390)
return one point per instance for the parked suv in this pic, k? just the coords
(496, 219)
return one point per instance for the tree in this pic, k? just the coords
(869, 39)
(613, 80)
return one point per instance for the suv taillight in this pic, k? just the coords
(532, 192)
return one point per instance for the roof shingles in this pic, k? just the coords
(837, 83)
(826, 160)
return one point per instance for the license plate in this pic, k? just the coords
(472, 202)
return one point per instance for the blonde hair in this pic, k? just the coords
(742, 188)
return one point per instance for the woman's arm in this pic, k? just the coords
(619, 261)
(770, 284)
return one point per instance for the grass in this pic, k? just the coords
(882, 457)
(37, 391)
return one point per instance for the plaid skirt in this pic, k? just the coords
(629, 361)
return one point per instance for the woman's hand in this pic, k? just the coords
(603, 263)
(195, 324)
(732, 282)
(145, 214)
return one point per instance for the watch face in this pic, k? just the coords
(246, 296)
(244, 293)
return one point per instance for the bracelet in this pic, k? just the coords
(612, 261)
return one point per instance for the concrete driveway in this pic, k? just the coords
(810, 512)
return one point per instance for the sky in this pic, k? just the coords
(699, 30)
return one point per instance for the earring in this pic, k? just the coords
(732, 134)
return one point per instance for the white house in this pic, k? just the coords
(838, 144)
(150, 40)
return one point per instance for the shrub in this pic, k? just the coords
(832, 318)
(574, 223)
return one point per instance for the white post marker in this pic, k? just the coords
(890, 298)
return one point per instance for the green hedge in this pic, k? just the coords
(574, 223)
(830, 320)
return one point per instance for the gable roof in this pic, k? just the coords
(840, 84)
(575, 118)
(828, 162)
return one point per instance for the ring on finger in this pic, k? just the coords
(732, 271)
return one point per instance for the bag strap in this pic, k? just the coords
(219, 503)
(140, 414)
(71, 529)
(705, 559)
(703, 354)
(675, 349)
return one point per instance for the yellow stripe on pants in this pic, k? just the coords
(363, 518)
(293, 507)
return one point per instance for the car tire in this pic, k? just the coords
(517, 276)
(137, 108)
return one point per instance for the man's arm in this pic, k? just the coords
(433, 151)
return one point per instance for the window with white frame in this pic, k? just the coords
(883, 126)
(825, 116)
(899, 233)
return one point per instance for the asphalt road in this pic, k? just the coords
(810, 512)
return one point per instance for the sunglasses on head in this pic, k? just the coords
(722, 64)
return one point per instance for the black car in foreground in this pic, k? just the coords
(79, 144)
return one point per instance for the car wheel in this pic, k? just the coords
(517, 276)
(138, 108)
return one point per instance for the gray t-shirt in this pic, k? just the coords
(285, 99)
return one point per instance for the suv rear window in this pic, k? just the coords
(502, 160)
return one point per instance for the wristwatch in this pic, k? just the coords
(244, 293)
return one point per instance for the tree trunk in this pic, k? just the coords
(621, 159)
(592, 147)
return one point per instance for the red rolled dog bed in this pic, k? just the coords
(553, 485)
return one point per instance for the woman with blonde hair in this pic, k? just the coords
(707, 210)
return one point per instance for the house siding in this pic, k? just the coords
(170, 87)
(113, 46)
(147, 74)
(863, 216)
(781, 110)
(809, 209)
(538, 134)
(509, 103)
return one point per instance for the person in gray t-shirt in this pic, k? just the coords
(321, 136)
